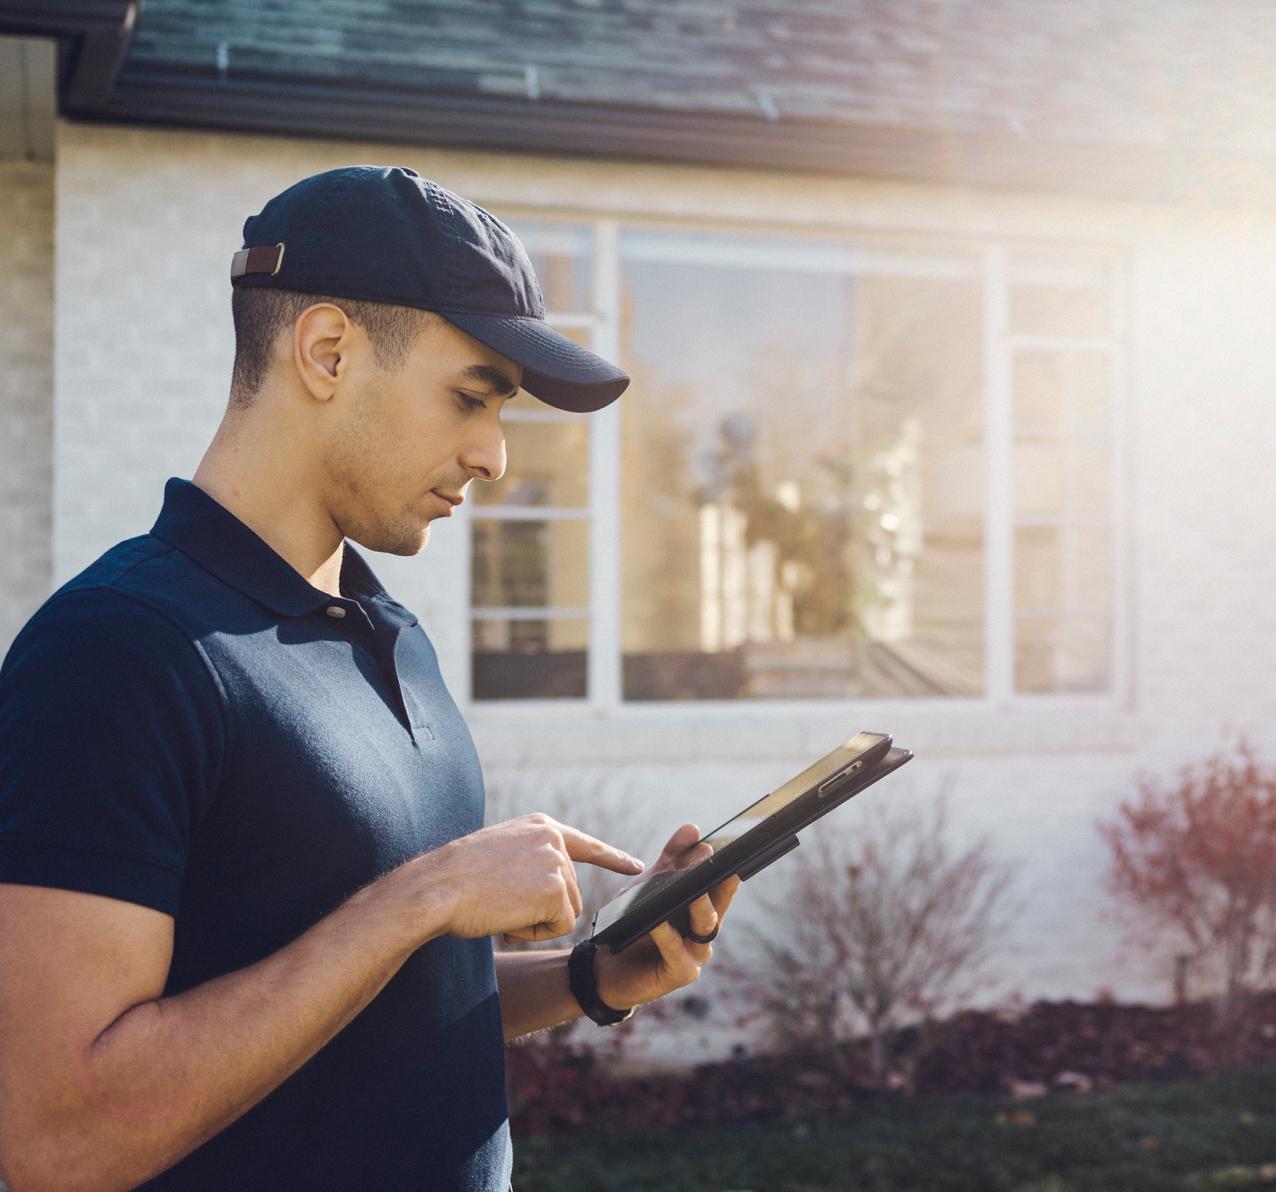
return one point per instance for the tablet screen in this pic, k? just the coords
(841, 759)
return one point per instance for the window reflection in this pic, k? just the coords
(802, 470)
(562, 256)
(529, 580)
(529, 657)
(547, 462)
(1062, 489)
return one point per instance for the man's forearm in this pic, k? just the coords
(534, 991)
(167, 1075)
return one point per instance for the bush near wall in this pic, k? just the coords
(1192, 866)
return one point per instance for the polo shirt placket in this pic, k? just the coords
(191, 725)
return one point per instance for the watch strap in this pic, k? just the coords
(582, 981)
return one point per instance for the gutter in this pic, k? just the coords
(93, 39)
(160, 94)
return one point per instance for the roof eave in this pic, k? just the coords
(292, 107)
(93, 36)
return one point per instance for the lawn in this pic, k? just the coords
(1189, 1136)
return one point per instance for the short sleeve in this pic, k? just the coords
(111, 739)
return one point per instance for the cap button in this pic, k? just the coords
(335, 610)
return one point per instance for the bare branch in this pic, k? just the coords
(894, 925)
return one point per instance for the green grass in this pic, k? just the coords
(1183, 1137)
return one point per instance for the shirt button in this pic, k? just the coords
(335, 610)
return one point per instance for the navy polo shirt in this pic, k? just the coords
(190, 725)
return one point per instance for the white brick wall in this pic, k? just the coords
(145, 225)
(26, 390)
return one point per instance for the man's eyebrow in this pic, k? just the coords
(493, 378)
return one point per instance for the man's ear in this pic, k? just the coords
(322, 339)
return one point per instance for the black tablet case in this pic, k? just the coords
(666, 895)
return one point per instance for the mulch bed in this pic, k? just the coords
(1048, 1046)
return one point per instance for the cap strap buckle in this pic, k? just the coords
(267, 258)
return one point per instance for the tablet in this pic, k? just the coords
(748, 842)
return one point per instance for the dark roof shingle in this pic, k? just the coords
(889, 86)
(1152, 72)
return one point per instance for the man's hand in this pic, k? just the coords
(665, 960)
(517, 878)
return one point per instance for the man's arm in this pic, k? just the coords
(533, 985)
(104, 1082)
(534, 991)
(535, 994)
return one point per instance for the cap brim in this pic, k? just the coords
(555, 369)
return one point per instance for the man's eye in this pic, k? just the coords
(472, 403)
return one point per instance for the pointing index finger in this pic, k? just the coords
(583, 847)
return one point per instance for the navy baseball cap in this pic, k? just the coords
(385, 234)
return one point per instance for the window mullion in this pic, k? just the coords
(465, 659)
(604, 678)
(1120, 434)
(999, 618)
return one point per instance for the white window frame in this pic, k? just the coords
(604, 687)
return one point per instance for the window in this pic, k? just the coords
(801, 506)
(529, 558)
(861, 467)
(1061, 415)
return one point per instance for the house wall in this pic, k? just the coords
(26, 389)
(146, 222)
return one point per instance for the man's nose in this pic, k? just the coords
(485, 458)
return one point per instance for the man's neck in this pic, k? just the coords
(275, 509)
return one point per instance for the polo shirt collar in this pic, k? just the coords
(218, 541)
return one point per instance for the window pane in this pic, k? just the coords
(1062, 392)
(529, 564)
(547, 463)
(1039, 477)
(1090, 480)
(562, 255)
(1089, 387)
(802, 476)
(529, 659)
(1062, 479)
(1059, 295)
(1062, 567)
(540, 563)
(581, 335)
(1062, 655)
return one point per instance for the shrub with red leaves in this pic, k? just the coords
(1193, 864)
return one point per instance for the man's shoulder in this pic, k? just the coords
(122, 639)
(140, 587)
(142, 570)
(111, 569)
(154, 573)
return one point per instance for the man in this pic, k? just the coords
(246, 897)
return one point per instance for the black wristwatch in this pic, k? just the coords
(580, 977)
